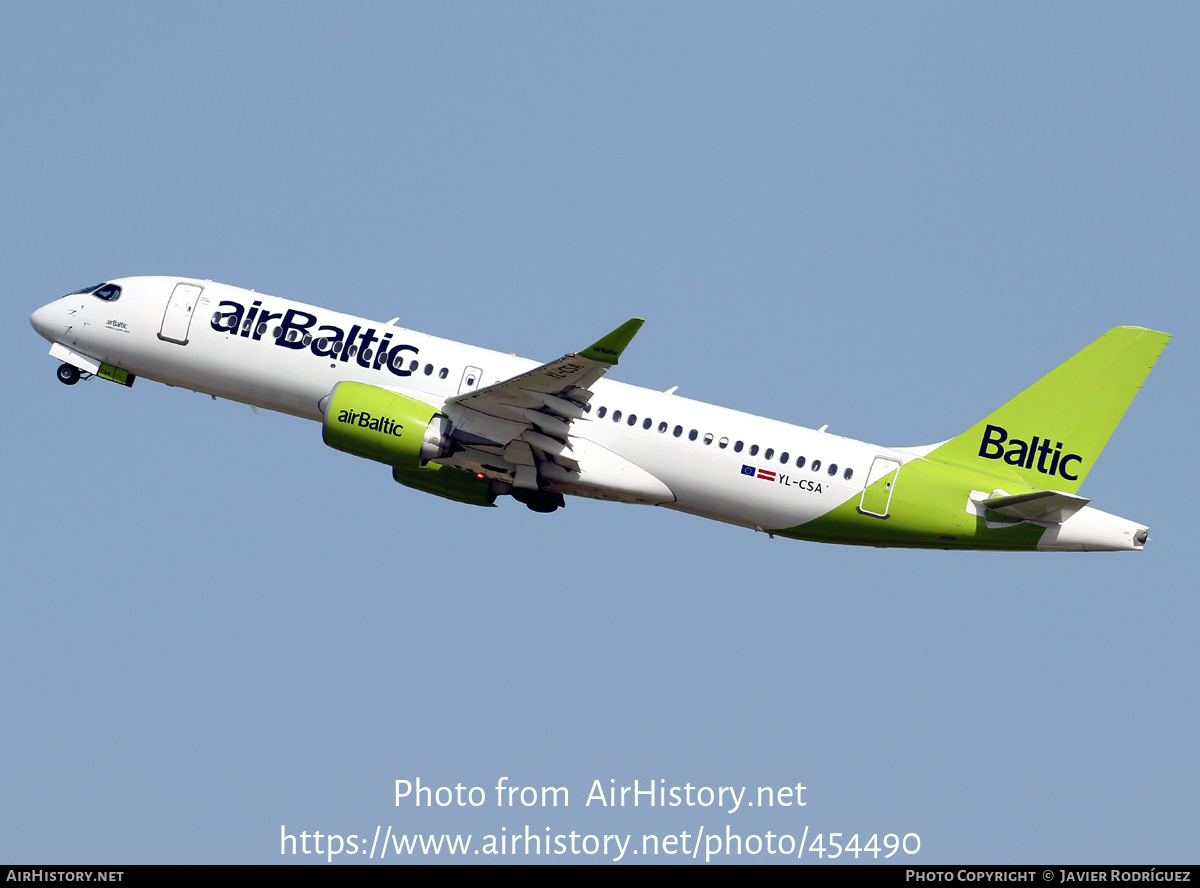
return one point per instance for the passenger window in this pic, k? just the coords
(770, 453)
(662, 428)
(737, 448)
(429, 369)
(783, 457)
(412, 368)
(708, 437)
(816, 466)
(723, 443)
(754, 450)
(832, 469)
(632, 419)
(443, 372)
(647, 422)
(692, 435)
(600, 413)
(678, 431)
(799, 462)
(847, 474)
(616, 416)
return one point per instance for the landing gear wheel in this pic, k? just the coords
(539, 500)
(67, 374)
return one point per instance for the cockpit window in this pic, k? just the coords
(90, 289)
(108, 292)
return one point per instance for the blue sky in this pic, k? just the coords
(888, 218)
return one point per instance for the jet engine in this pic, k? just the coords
(384, 426)
(452, 484)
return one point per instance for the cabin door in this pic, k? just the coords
(177, 319)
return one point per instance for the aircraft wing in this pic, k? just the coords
(1041, 505)
(537, 408)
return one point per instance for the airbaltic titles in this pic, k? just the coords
(295, 331)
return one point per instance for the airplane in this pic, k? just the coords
(471, 425)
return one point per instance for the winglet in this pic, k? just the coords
(609, 348)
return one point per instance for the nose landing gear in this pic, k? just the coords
(68, 374)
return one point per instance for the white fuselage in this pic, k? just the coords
(694, 457)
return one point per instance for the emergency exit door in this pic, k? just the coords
(879, 487)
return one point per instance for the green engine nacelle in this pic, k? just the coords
(391, 428)
(385, 426)
(462, 487)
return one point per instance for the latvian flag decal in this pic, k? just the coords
(762, 474)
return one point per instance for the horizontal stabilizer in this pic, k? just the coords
(1041, 505)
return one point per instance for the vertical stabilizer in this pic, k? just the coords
(1049, 436)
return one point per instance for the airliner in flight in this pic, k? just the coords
(471, 424)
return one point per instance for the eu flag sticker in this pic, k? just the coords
(748, 470)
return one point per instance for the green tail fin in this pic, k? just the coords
(1049, 436)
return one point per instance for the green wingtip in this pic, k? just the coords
(609, 348)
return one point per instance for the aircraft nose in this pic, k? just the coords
(43, 320)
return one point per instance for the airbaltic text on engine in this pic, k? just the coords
(365, 420)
